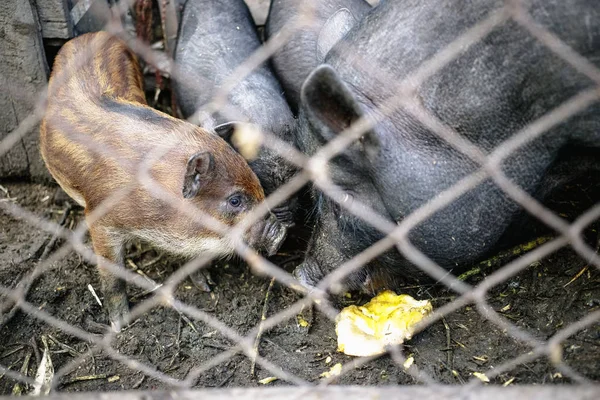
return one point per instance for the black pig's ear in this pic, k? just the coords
(333, 31)
(197, 173)
(330, 106)
(225, 131)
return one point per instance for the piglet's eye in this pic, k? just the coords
(235, 201)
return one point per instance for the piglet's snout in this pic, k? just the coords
(267, 235)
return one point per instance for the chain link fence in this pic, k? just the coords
(100, 346)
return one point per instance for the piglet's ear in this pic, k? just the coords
(197, 173)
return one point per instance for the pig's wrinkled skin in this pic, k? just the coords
(492, 90)
(328, 21)
(215, 38)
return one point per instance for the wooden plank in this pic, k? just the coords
(54, 18)
(23, 75)
(525, 392)
(170, 16)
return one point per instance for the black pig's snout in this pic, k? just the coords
(273, 234)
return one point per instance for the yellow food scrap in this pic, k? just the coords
(388, 319)
(247, 138)
(268, 380)
(302, 322)
(336, 370)
(481, 377)
(508, 382)
(409, 362)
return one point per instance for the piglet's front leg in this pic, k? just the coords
(109, 247)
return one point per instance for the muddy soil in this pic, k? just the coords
(548, 296)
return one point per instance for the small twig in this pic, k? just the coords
(139, 382)
(36, 351)
(131, 325)
(18, 388)
(7, 194)
(576, 276)
(145, 292)
(11, 352)
(263, 317)
(454, 373)
(215, 346)
(85, 378)
(156, 94)
(450, 351)
(188, 321)
(152, 262)
(91, 289)
(502, 257)
(178, 336)
(93, 358)
(227, 378)
(584, 268)
(168, 367)
(69, 349)
(281, 349)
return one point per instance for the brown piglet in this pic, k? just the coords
(136, 170)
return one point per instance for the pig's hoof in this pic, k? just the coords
(94, 327)
(304, 276)
(202, 280)
(118, 311)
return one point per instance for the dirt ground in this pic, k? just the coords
(546, 297)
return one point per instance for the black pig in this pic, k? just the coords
(327, 21)
(215, 38)
(496, 87)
